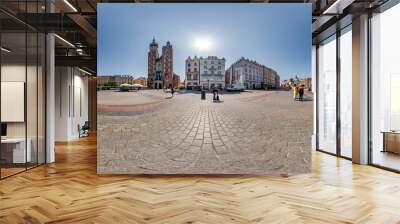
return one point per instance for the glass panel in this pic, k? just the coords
(327, 96)
(31, 98)
(346, 93)
(385, 86)
(13, 89)
(32, 88)
(41, 98)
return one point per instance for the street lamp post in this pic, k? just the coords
(201, 86)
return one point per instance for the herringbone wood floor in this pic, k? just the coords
(70, 191)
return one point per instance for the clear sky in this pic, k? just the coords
(276, 35)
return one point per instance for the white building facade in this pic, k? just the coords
(192, 74)
(246, 73)
(206, 73)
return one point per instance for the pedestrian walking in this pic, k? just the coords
(295, 91)
(172, 91)
(215, 94)
(301, 92)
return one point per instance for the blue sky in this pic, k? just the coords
(276, 35)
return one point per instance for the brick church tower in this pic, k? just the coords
(152, 60)
(167, 65)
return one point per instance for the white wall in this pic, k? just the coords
(71, 87)
(34, 125)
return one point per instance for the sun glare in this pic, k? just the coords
(203, 44)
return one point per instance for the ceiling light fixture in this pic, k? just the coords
(337, 7)
(70, 5)
(84, 71)
(64, 40)
(5, 50)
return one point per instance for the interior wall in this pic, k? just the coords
(15, 73)
(71, 102)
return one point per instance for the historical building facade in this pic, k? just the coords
(251, 75)
(176, 80)
(246, 73)
(116, 79)
(141, 80)
(271, 78)
(192, 70)
(205, 73)
(160, 68)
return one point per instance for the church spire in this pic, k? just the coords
(154, 43)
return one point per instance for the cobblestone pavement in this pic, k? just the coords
(257, 132)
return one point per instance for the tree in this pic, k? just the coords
(111, 84)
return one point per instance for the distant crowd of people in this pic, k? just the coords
(298, 92)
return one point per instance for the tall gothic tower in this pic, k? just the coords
(167, 65)
(152, 59)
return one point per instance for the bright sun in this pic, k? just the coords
(203, 44)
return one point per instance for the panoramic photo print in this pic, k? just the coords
(204, 89)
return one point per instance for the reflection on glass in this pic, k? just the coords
(346, 93)
(327, 96)
(385, 86)
(31, 99)
(14, 153)
(41, 98)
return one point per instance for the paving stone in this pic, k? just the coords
(254, 132)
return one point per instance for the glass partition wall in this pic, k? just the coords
(345, 61)
(327, 95)
(385, 89)
(334, 89)
(22, 78)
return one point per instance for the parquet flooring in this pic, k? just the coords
(70, 191)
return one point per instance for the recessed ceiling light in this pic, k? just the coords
(70, 5)
(5, 50)
(64, 40)
(84, 71)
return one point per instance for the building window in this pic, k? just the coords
(27, 76)
(346, 94)
(385, 88)
(327, 95)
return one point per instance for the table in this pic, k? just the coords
(391, 141)
(16, 147)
